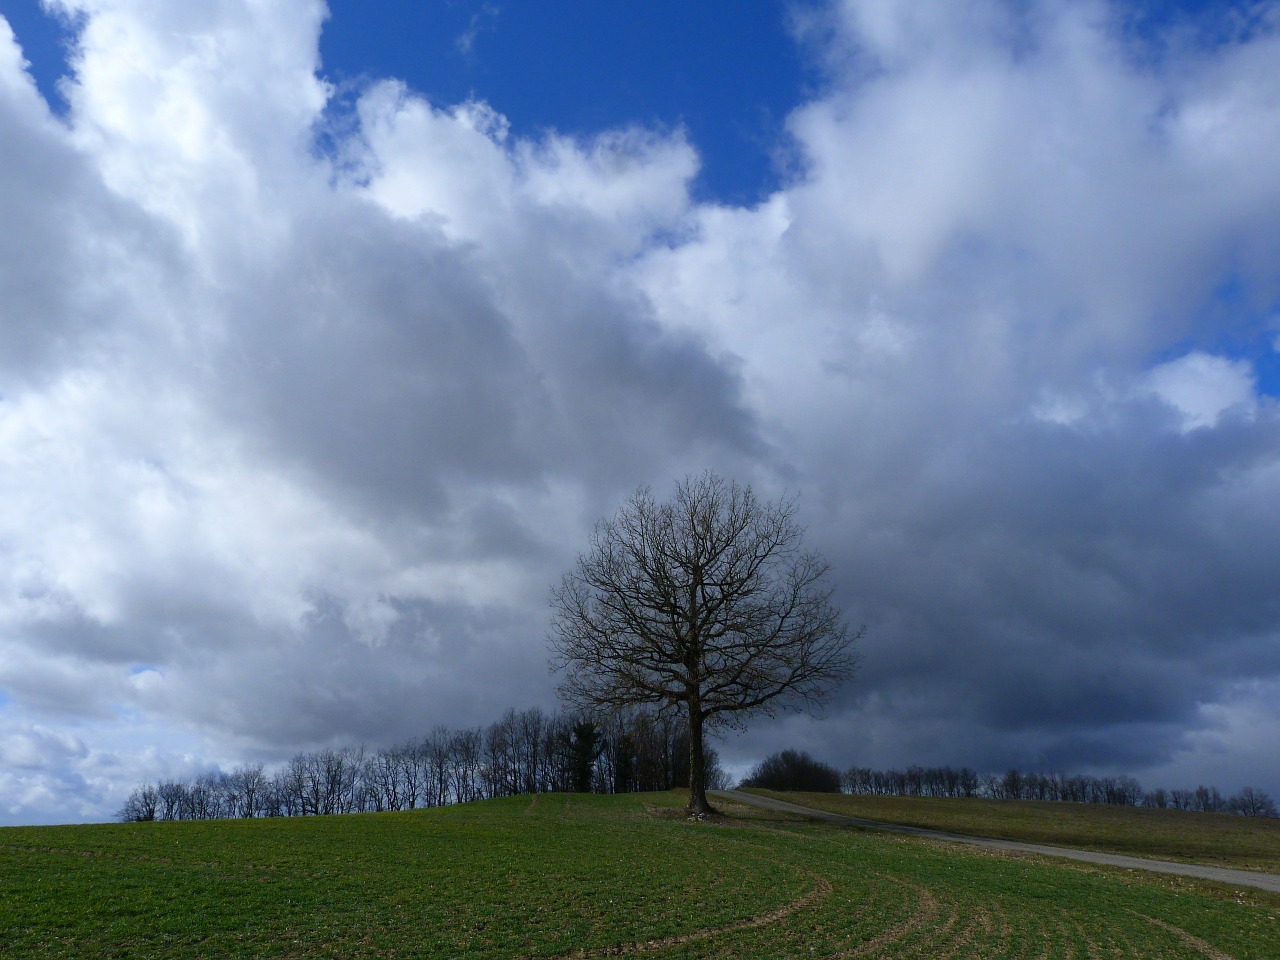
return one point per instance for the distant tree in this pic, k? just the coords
(274, 803)
(717, 776)
(173, 803)
(1157, 799)
(465, 758)
(205, 799)
(1011, 786)
(291, 787)
(966, 783)
(1075, 789)
(991, 785)
(438, 755)
(620, 756)
(1208, 800)
(141, 805)
(499, 769)
(706, 604)
(585, 746)
(792, 770)
(1252, 802)
(244, 788)
(857, 780)
(384, 781)
(412, 761)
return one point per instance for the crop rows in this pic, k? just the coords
(978, 908)
(586, 877)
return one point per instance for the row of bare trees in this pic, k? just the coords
(1015, 785)
(912, 782)
(523, 752)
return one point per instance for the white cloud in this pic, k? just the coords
(33, 746)
(1203, 387)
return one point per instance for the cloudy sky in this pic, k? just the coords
(326, 334)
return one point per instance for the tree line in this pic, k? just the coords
(523, 752)
(1078, 788)
(797, 770)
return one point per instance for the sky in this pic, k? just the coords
(328, 333)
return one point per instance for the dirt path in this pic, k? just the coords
(1247, 878)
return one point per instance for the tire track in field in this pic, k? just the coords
(950, 909)
(820, 891)
(1121, 946)
(1093, 951)
(1205, 948)
(975, 930)
(1048, 931)
(1105, 942)
(1028, 934)
(953, 938)
(938, 928)
(1060, 932)
(961, 931)
(1002, 931)
(927, 908)
(1024, 934)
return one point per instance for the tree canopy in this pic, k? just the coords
(706, 603)
(794, 770)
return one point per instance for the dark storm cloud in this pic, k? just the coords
(1075, 591)
(377, 353)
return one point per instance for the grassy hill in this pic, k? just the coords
(582, 876)
(1220, 839)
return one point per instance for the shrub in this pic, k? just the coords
(792, 770)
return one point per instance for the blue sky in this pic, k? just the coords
(42, 41)
(992, 288)
(727, 72)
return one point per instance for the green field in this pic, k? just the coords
(585, 876)
(1220, 839)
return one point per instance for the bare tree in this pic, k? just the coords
(531, 726)
(171, 799)
(244, 788)
(466, 756)
(291, 787)
(438, 751)
(1252, 802)
(557, 758)
(384, 780)
(1181, 799)
(706, 604)
(501, 773)
(413, 773)
(141, 806)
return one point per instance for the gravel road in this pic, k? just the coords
(1247, 878)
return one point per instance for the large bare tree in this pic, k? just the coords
(708, 604)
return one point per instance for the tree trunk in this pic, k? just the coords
(698, 805)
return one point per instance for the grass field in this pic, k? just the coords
(1220, 839)
(583, 876)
